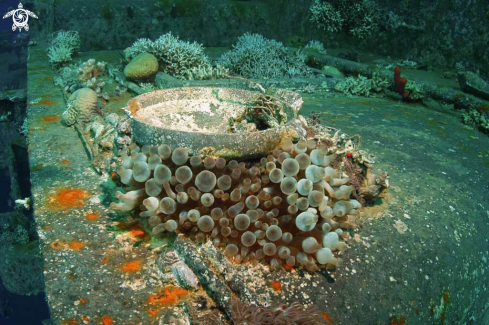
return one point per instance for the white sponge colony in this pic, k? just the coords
(287, 208)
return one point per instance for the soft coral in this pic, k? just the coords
(400, 82)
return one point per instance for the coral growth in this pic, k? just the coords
(477, 118)
(362, 86)
(254, 56)
(326, 16)
(63, 45)
(400, 82)
(83, 75)
(82, 106)
(358, 18)
(317, 46)
(288, 208)
(295, 314)
(175, 57)
(143, 66)
(361, 18)
(267, 112)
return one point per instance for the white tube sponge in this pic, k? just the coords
(310, 245)
(339, 181)
(355, 204)
(130, 200)
(306, 221)
(328, 188)
(341, 208)
(312, 173)
(325, 256)
(328, 213)
(304, 186)
(332, 241)
(344, 192)
(329, 159)
(330, 173)
(125, 174)
(151, 203)
(317, 158)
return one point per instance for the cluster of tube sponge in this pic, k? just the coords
(287, 208)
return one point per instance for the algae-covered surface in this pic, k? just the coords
(419, 255)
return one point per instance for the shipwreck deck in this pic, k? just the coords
(422, 253)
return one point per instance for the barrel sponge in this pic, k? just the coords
(284, 209)
(143, 66)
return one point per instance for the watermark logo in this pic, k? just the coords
(20, 17)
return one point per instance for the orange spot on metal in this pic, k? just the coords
(132, 266)
(398, 321)
(446, 297)
(64, 162)
(133, 106)
(72, 277)
(76, 245)
(85, 319)
(70, 321)
(106, 260)
(68, 198)
(50, 118)
(83, 301)
(47, 102)
(137, 232)
(58, 245)
(169, 296)
(277, 286)
(327, 319)
(106, 320)
(287, 266)
(47, 227)
(92, 216)
(152, 312)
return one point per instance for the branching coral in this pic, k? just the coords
(477, 119)
(361, 17)
(316, 45)
(362, 86)
(326, 16)
(9, 236)
(176, 57)
(287, 208)
(358, 18)
(63, 46)
(254, 56)
(82, 75)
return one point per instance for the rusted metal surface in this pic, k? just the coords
(99, 267)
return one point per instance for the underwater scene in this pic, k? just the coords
(255, 162)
